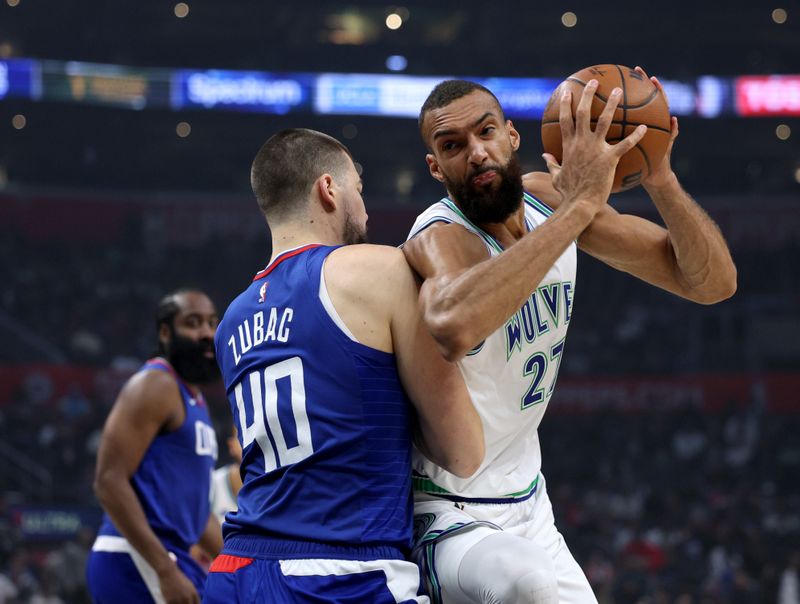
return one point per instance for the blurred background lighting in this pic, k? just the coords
(569, 19)
(779, 16)
(181, 10)
(183, 129)
(783, 132)
(19, 121)
(396, 63)
(394, 21)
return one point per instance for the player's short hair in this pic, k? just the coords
(166, 311)
(287, 165)
(448, 91)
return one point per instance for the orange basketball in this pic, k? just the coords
(641, 103)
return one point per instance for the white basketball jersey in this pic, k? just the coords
(222, 498)
(511, 376)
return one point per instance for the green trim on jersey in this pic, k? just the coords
(426, 485)
(488, 239)
(536, 204)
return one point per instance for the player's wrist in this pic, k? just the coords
(165, 568)
(582, 207)
(661, 184)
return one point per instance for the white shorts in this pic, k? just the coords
(444, 531)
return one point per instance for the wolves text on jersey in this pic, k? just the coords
(536, 315)
(253, 332)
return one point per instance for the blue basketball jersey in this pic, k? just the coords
(323, 420)
(173, 480)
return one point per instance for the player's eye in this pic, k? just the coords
(487, 130)
(448, 146)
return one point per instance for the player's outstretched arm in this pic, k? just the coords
(148, 403)
(466, 296)
(375, 294)
(689, 258)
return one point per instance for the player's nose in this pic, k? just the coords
(207, 331)
(477, 152)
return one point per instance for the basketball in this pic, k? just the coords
(641, 103)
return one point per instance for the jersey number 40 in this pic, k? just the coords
(264, 425)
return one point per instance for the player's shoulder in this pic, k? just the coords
(368, 259)
(149, 388)
(443, 247)
(372, 272)
(540, 185)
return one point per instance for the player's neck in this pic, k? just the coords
(511, 230)
(292, 236)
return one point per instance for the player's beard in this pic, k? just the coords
(188, 358)
(353, 233)
(486, 204)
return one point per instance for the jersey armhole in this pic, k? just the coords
(327, 304)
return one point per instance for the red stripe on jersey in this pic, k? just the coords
(283, 257)
(229, 564)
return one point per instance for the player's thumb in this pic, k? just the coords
(552, 165)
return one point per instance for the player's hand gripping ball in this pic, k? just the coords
(641, 103)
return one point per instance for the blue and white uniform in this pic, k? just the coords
(511, 378)
(172, 483)
(325, 508)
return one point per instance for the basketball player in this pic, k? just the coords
(226, 481)
(318, 355)
(154, 465)
(498, 258)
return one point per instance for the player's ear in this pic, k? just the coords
(326, 192)
(513, 134)
(434, 168)
(164, 335)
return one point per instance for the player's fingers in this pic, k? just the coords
(583, 114)
(641, 72)
(565, 118)
(673, 128)
(630, 141)
(657, 83)
(607, 116)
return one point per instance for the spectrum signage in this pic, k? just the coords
(241, 91)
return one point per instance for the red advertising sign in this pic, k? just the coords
(768, 95)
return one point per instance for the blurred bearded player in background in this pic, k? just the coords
(154, 466)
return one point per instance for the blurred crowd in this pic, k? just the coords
(620, 325)
(658, 507)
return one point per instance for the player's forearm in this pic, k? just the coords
(120, 502)
(462, 311)
(211, 539)
(703, 260)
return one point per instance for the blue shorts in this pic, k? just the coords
(124, 577)
(235, 577)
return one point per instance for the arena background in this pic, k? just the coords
(127, 129)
